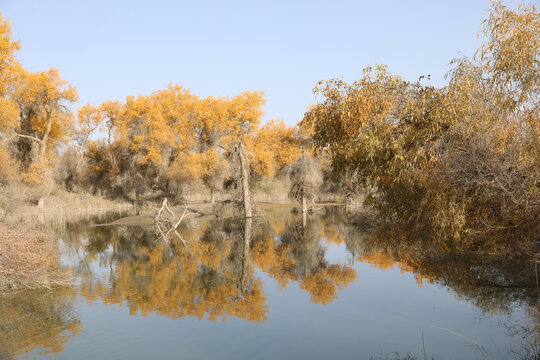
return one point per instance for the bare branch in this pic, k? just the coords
(29, 137)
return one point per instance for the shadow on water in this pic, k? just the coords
(213, 272)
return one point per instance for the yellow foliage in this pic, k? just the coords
(143, 125)
(9, 67)
(274, 146)
(89, 118)
(455, 162)
(43, 119)
(36, 174)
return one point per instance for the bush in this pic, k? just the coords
(461, 162)
(306, 179)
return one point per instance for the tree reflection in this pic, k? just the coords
(211, 277)
(492, 283)
(42, 320)
(299, 256)
(213, 272)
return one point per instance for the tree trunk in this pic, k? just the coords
(81, 156)
(304, 204)
(245, 255)
(212, 197)
(245, 181)
(138, 182)
(137, 196)
(43, 147)
(304, 200)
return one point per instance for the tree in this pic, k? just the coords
(143, 135)
(226, 124)
(510, 55)
(9, 69)
(244, 173)
(209, 127)
(176, 105)
(459, 162)
(89, 118)
(43, 100)
(111, 111)
(305, 180)
(244, 113)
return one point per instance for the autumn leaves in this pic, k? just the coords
(172, 137)
(164, 140)
(459, 162)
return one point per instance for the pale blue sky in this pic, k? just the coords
(111, 49)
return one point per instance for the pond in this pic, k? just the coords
(274, 287)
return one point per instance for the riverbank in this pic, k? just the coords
(63, 204)
(29, 254)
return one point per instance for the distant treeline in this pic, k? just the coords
(164, 142)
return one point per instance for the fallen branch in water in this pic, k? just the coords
(166, 221)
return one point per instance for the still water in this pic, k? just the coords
(275, 287)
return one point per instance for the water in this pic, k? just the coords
(273, 287)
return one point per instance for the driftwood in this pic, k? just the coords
(166, 222)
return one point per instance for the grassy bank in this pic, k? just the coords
(29, 255)
(21, 204)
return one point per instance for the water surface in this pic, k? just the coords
(277, 286)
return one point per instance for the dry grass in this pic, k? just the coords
(61, 199)
(276, 190)
(11, 198)
(20, 203)
(29, 259)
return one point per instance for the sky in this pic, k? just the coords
(111, 49)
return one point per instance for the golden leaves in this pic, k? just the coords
(274, 146)
(434, 154)
(9, 65)
(511, 51)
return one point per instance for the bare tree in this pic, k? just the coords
(306, 179)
